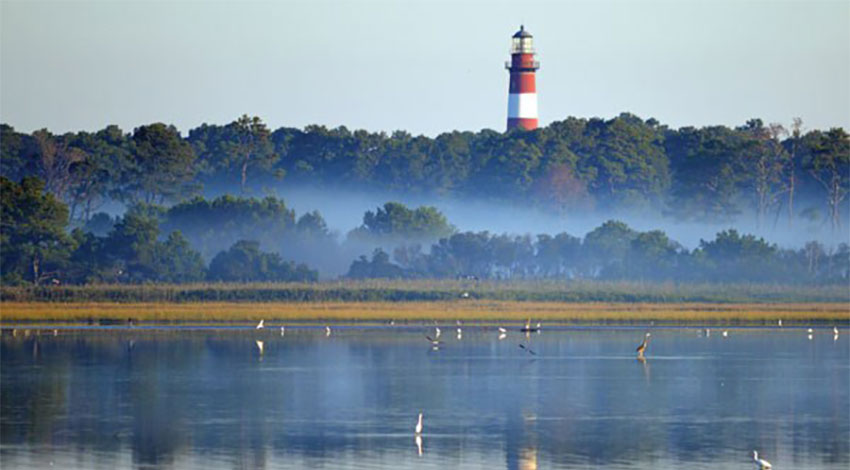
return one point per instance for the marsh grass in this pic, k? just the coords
(430, 290)
(414, 312)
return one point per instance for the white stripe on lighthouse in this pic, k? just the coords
(522, 105)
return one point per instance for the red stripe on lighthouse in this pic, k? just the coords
(525, 123)
(522, 82)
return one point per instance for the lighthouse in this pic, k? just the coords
(522, 97)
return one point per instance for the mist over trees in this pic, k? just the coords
(713, 174)
(56, 188)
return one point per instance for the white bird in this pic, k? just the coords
(810, 336)
(725, 334)
(762, 463)
(260, 346)
(459, 333)
(465, 295)
(707, 333)
(418, 441)
(809, 331)
(418, 429)
(502, 336)
(282, 330)
(779, 322)
(835, 330)
(260, 325)
(327, 331)
(502, 330)
(437, 331)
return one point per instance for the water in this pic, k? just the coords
(207, 398)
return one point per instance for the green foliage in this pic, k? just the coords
(161, 166)
(35, 246)
(245, 262)
(395, 221)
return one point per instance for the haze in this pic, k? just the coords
(425, 67)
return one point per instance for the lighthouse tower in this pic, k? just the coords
(522, 100)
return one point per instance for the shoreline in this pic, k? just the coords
(228, 313)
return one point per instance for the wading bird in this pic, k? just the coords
(502, 330)
(835, 330)
(260, 346)
(529, 351)
(260, 325)
(725, 334)
(779, 322)
(327, 331)
(282, 330)
(418, 429)
(762, 463)
(437, 331)
(640, 349)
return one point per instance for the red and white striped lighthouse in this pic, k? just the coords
(522, 100)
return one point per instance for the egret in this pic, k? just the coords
(502, 330)
(327, 331)
(418, 441)
(282, 330)
(459, 334)
(437, 331)
(707, 333)
(502, 336)
(418, 429)
(835, 330)
(762, 463)
(725, 334)
(809, 331)
(260, 346)
(779, 322)
(465, 295)
(260, 325)
(642, 347)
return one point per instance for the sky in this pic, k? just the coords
(424, 67)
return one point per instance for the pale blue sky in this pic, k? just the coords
(425, 67)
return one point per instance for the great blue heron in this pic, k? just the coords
(762, 463)
(640, 349)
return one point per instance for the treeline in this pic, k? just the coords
(35, 247)
(612, 252)
(708, 174)
(224, 240)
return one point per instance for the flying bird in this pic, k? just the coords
(762, 463)
(260, 325)
(642, 347)
(434, 342)
(526, 349)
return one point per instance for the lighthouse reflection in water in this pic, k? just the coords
(213, 399)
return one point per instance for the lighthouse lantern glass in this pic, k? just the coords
(522, 46)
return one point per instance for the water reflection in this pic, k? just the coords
(202, 399)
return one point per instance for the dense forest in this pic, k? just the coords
(191, 207)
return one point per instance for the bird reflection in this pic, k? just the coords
(418, 440)
(260, 347)
(528, 458)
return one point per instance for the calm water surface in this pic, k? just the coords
(208, 398)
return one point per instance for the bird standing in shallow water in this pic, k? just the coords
(418, 429)
(327, 331)
(640, 349)
(762, 463)
(260, 325)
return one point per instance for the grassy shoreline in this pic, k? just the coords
(431, 291)
(413, 312)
